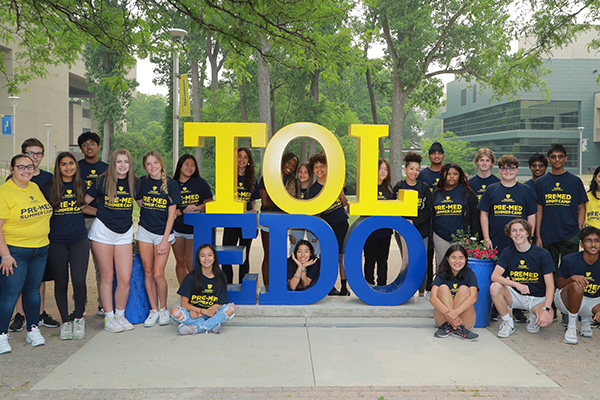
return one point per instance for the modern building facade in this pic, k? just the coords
(529, 123)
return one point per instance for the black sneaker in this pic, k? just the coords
(344, 292)
(334, 292)
(519, 316)
(464, 333)
(495, 316)
(17, 323)
(47, 321)
(565, 320)
(444, 330)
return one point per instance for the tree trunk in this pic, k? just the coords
(197, 105)
(314, 92)
(374, 109)
(264, 90)
(244, 113)
(272, 108)
(213, 54)
(396, 129)
(106, 141)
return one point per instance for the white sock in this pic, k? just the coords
(110, 314)
(508, 318)
(572, 321)
(120, 313)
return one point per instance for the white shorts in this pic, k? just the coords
(101, 234)
(585, 310)
(524, 301)
(187, 236)
(143, 235)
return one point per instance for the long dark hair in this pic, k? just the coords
(220, 279)
(444, 270)
(180, 162)
(250, 173)
(594, 185)
(462, 178)
(58, 187)
(290, 180)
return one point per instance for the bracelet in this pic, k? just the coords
(6, 256)
(303, 270)
(296, 276)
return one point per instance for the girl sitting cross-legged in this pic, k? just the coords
(204, 300)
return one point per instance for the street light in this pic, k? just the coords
(177, 35)
(48, 127)
(580, 129)
(14, 100)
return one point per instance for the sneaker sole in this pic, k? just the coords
(15, 330)
(441, 336)
(587, 334)
(5, 351)
(569, 341)
(165, 323)
(41, 323)
(464, 338)
(79, 337)
(504, 337)
(149, 325)
(34, 344)
(114, 330)
(66, 338)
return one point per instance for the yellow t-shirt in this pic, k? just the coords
(592, 211)
(26, 215)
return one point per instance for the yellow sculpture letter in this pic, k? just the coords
(336, 170)
(225, 135)
(367, 180)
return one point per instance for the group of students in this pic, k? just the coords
(48, 223)
(536, 227)
(50, 226)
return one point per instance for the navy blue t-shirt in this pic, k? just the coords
(335, 214)
(448, 208)
(574, 264)
(528, 267)
(44, 182)
(531, 185)
(430, 177)
(503, 204)
(67, 225)
(423, 219)
(470, 280)
(312, 271)
(194, 191)
(479, 184)
(384, 232)
(155, 203)
(244, 192)
(116, 215)
(89, 174)
(559, 196)
(303, 193)
(209, 296)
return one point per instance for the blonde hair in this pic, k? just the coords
(110, 176)
(163, 169)
(484, 151)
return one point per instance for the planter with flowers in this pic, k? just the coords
(482, 261)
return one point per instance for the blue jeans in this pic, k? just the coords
(205, 322)
(26, 279)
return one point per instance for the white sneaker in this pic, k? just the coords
(184, 329)
(66, 331)
(152, 318)
(4, 345)
(124, 323)
(532, 327)
(570, 336)
(111, 325)
(505, 329)
(35, 337)
(164, 318)
(79, 328)
(585, 328)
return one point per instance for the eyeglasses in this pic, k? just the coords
(537, 165)
(556, 156)
(35, 153)
(22, 168)
(89, 145)
(508, 168)
(590, 241)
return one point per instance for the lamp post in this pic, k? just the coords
(580, 129)
(176, 34)
(48, 127)
(14, 100)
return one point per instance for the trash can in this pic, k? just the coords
(138, 305)
(483, 270)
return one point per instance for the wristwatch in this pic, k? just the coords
(546, 309)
